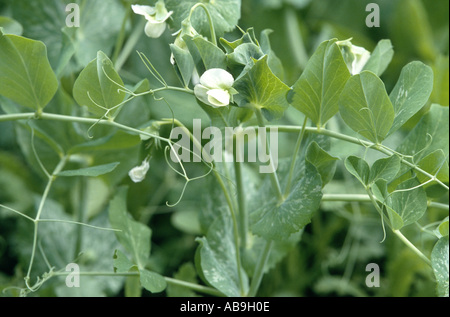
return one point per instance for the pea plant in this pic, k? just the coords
(160, 148)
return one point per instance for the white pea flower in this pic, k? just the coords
(138, 173)
(156, 18)
(215, 88)
(356, 57)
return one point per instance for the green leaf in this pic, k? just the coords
(26, 76)
(435, 164)
(184, 63)
(411, 93)
(395, 219)
(443, 227)
(224, 13)
(97, 87)
(440, 93)
(278, 221)
(409, 201)
(365, 106)
(134, 236)
(324, 162)
(121, 262)
(212, 56)
(185, 273)
(93, 171)
(317, 92)
(261, 89)
(440, 263)
(380, 58)
(386, 169)
(10, 26)
(358, 168)
(218, 258)
(430, 134)
(152, 282)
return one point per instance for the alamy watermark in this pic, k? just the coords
(373, 278)
(373, 19)
(73, 278)
(73, 16)
(262, 146)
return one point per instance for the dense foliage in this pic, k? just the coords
(87, 174)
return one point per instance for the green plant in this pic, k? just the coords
(91, 174)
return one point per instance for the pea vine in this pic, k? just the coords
(98, 128)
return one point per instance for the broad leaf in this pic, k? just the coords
(440, 263)
(358, 168)
(386, 169)
(152, 282)
(431, 134)
(381, 58)
(324, 162)
(121, 262)
(440, 93)
(26, 76)
(134, 236)
(98, 86)
(93, 171)
(409, 201)
(411, 92)
(317, 92)
(184, 63)
(278, 221)
(212, 56)
(10, 26)
(261, 89)
(365, 107)
(435, 163)
(224, 13)
(218, 258)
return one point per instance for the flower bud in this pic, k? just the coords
(356, 57)
(138, 173)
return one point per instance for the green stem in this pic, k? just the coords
(367, 144)
(130, 44)
(408, 243)
(411, 246)
(121, 37)
(195, 287)
(243, 216)
(273, 176)
(294, 158)
(50, 182)
(211, 21)
(295, 37)
(259, 270)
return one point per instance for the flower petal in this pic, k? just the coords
(201, 92)
(138, 173)
(155, 29)
(143, 10)
(219, 97)
(217, 78)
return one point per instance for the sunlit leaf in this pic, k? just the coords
(261, 89)
(358, 168)
(26, 76)
(98, 86)
(365, 106)
(93, 171)
(277, 221)
(411, 93)
(317, 92)
(439, 262)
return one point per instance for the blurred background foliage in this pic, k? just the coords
(342, 239)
